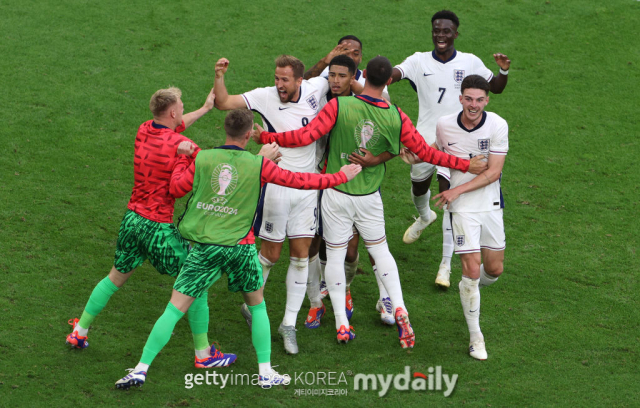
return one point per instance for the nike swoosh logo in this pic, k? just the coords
(473, 311)
(281, 108)
(427, 74)
(451, 144)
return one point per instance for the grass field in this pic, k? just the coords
(561, 325)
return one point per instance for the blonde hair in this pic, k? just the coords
(290, 61)
(163, 99)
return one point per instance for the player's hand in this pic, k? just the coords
(409, 157)
(221, 67)
(211, 98)
(446, 197)
(368, 160)
(270, 151)
(477, 165)
(337, 50)
(255, 133)
(186, 147)
(351, 170)
(503, 61)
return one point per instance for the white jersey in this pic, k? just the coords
(359, 78)
(438, 85)
(282, 117)
(491, 136)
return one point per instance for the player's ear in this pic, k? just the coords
(460, 98)
(364, 73)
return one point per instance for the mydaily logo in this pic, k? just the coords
(433, 381)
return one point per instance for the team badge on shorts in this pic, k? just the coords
(366, 134)
(460, 240)
(224, 180)
(458, 75)
(483, 145)
(268, 226)
(313, 102)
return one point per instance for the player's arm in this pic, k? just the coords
(319, 126)
(396, 75)
(271, 173)
(490, 175)
(317, 69)
(182, 177)
(499, 82)
(223, 100)
(369, 160)
(191, 117)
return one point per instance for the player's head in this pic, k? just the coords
(474, 97)
(378, 71)
(288, 78)
(238, 124)
(444, 30)
(166, 104)
(341, 72)
(355, 45)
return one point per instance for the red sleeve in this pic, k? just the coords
(180, 128)
(318, 127)
(271, 173)
(415, 142)
(182, 176)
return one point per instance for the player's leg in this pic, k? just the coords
(467, 229)
(323, 267)
(369, 220)
(128, 256)
(492, 244)
(444, 270)
(421, 175)
(317, 309)
(337, 218)
(350, 268)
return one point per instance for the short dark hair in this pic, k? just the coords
(379, 71)
(296, 65)
(351, 37)
(238, 122)
(446, 15)
(344, 61)
(475, 82)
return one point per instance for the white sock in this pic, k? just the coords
(204, 353)
(388, 272)
(297, 275)
(141, 367)
(335, 280)
(383, 291)
(313, 282)
(470, 299)
(422, 205)
(82, 332)
(266, 267)
(323, 266)
(350, 269)
(264, 368)
(485, 278)
(447, 239)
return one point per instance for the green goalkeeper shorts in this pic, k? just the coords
(206, 263)
(140, 239)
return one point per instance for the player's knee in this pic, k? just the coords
(443, 184)
(495, 269)
(269, 254)
(421, 187)
(352, 255)
(299, 264)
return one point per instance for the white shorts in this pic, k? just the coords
(422, 171)
(340, 212)
(472, 231)
(444, 172)
(286, 212)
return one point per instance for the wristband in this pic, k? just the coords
(503, 72)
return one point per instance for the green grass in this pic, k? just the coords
(561, 324)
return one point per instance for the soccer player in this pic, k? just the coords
(342, 71)
(292, 103)
(351, 46)
(475, 202)
(226, 184)
(147, 230)
(436, 77)
(350, 120)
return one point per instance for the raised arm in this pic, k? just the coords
(191, 117)
(319, 126)
(182, 177)
(317, 69)
(499, 82)
(223, 100)
(271, 173)
(396, 75)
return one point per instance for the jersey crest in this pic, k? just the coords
(460, 240)
(483, 145)
(224, 180)
(313, 102)
(366, 134)
(458, 75)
